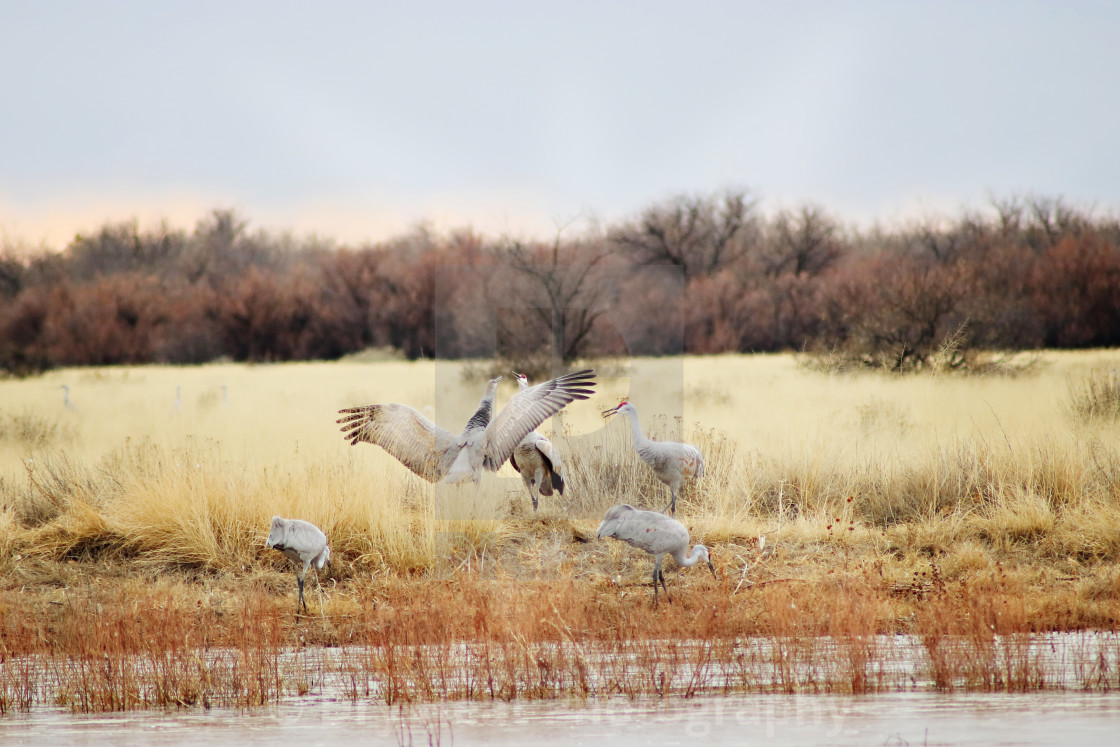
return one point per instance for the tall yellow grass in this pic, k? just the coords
(967, 511)
(932, 461)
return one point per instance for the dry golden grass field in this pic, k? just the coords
(133, 571)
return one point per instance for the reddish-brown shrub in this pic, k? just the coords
(1076, 287)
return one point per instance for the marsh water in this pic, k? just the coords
(1080, 704)
(914, 718)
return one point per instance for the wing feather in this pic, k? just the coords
(550, 454)
(528, 409)
(415, 441)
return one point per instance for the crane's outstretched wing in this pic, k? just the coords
(417, 442)
(528, 409)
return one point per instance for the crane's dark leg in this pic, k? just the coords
(656, 573)
(319, 588)
(533, 492)
(672, 507)
(300, 604)
(663, 586)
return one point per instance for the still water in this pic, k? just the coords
(913, 718)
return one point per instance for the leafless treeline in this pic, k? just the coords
(696, 273)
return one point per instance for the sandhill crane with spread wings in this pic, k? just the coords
(302, 542)
(537, 459)
(671, 461)
(436, 454)
(657, 534)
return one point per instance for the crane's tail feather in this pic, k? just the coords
(461, 469)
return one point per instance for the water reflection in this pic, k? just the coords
(915, 718)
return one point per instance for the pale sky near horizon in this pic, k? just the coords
(355, 120)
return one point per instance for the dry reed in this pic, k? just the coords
(971, 515)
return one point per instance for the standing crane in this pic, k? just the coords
(658, 535)
(302, 542)
(437, 454)
(66, 398)
(671, 461)
(537, 459)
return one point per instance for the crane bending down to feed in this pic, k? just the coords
(302, 542)
(671, 461)
(537, 459)
(657, 534)
(436, 454)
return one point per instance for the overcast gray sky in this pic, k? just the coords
(356, 119)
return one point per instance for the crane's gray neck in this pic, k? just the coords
(482, 415)
(485, 411)
(697, 552)
(639, 437)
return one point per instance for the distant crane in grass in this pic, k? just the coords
(66, 398)
(225, 395)
(656, 534)
(671, 461)
(437, 454)
(537, 459)
(178, 403)
(302, 542)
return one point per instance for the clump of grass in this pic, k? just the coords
(29, 431)
(60, 508)
(474, 635)
(603, 470)
(879, 515)
(196, 507)
(951, 355)
(1096, 397)
(978, 637)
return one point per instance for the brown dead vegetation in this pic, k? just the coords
(858, 551)
(807, 617)
(697, 274)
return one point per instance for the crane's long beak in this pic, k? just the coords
(608, 413)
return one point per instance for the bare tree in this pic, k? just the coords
(807, 240)
(931, 236)
(1039, 222)
(567, 290)
(894, 310)
(222, 248)
(13, 273)
(1052, 220)
(124, 248)
(698, 234)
